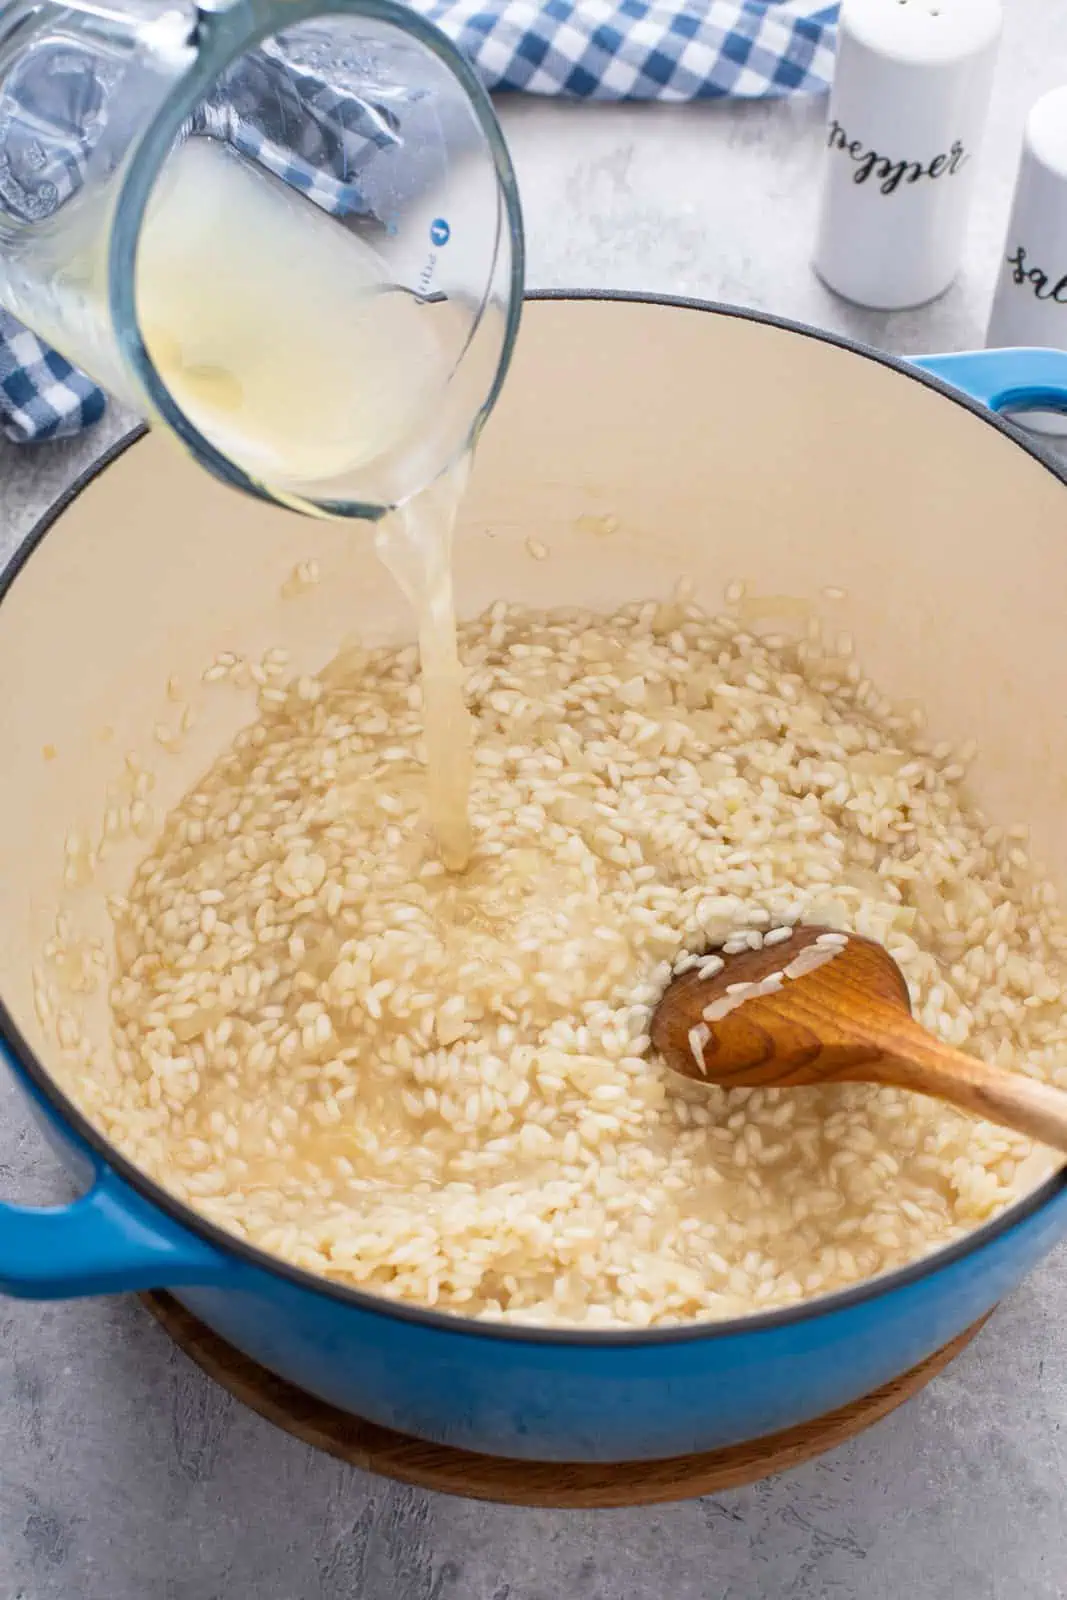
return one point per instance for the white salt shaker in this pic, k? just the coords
(908, 106)
(1030, 306)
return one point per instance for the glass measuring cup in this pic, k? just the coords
(286, 229)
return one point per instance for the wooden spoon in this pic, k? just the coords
(846, 1021)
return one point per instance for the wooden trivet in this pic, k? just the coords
(529, 1483)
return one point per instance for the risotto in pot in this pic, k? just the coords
(439, 1087)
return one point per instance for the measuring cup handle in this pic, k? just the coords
(108, 1241)
(1005, 380)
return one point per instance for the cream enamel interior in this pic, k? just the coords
(725, 449)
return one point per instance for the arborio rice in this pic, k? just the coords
(441, 1089)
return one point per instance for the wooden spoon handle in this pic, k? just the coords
(919, 1061)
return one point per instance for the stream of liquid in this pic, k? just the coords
(415, 545)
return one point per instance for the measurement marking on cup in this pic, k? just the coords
(440, 233)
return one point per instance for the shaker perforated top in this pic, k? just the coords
(925, 31)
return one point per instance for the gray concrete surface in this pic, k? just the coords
(124, 1475)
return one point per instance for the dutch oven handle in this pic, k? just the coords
(1005, 380)
(106, 1242)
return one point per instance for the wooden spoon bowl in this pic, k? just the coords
(847, 1020)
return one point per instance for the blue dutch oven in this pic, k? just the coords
(724, 445)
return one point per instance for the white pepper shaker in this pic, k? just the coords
(1030, 306)
(907, 109)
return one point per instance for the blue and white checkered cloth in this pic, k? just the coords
(644, 49)
(667, 50)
